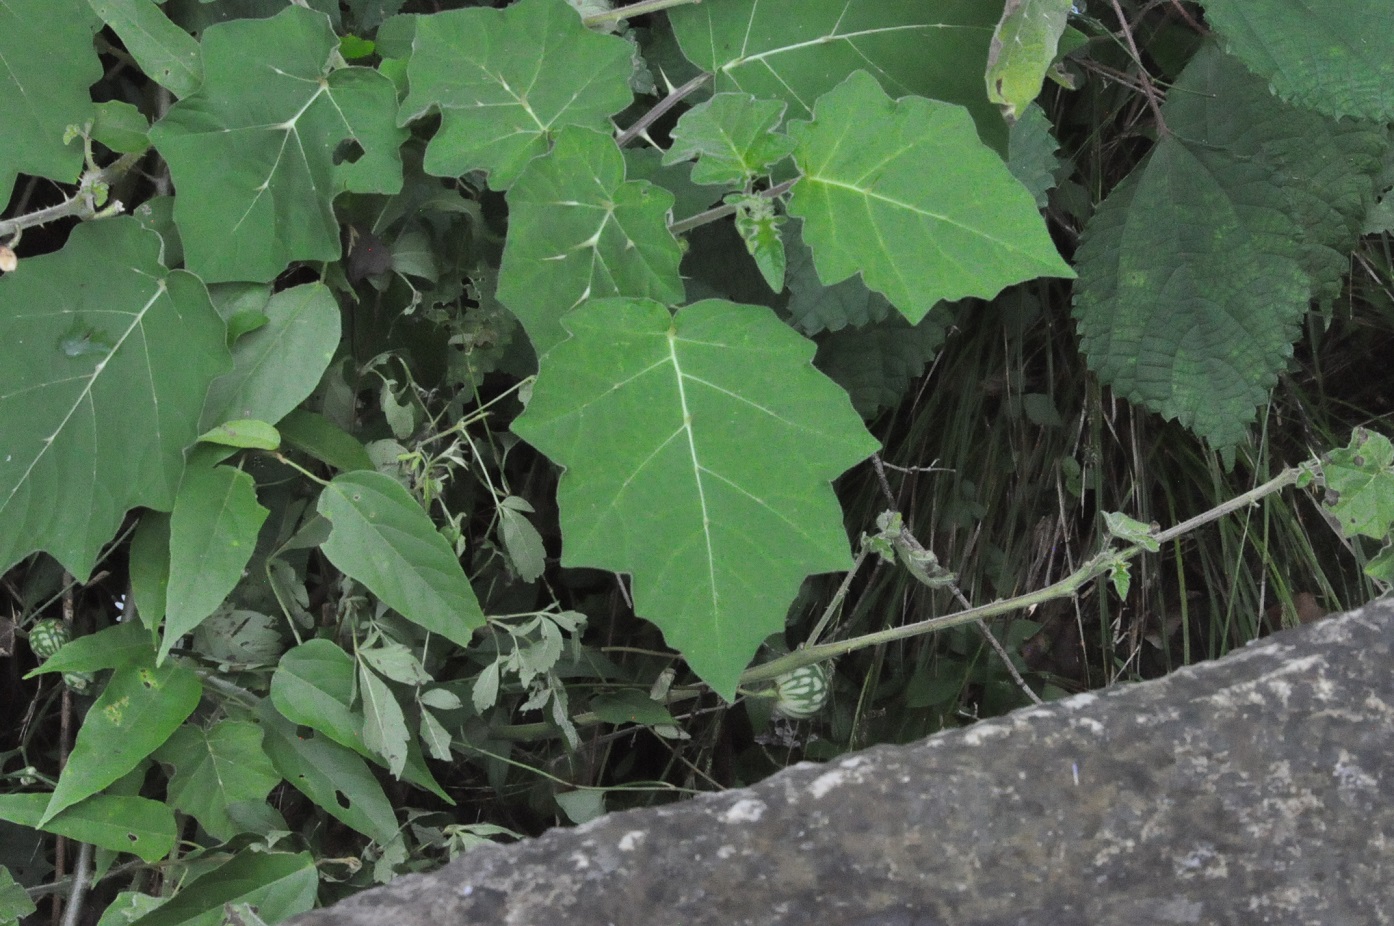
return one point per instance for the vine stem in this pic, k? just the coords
(80, 204)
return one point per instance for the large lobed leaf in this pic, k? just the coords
(1336, 56)
(797, 50)
(904, 192)
(47, 62)
(108, 359)
(256, 153)
(577, 230)
(699, 449)
(506, 80)
(1196, 270)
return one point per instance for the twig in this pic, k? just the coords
(667, 103)
(1147, 87)
(80, 204)
(82, 879)
(720, 212)
(634, 9)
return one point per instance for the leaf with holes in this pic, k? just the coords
(699, 449)
(109, 356)
(876, 198)
(578, 230)
(506, 80)
(270, 138)
(797, 50)
(1023, 47)
(1361, 479)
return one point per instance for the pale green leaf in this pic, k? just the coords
(578, 230)
(523, 544)
(383, 539)
(243, 433)
(396, 662)
(119, 646)
(1023, 47)
(241, 637)
(116, 822)
(505, 81)
(313, 687)
(698, 451)
(758, 225)
(1335, 56)
(797, 50)
(214, 767)
(435, 736)
(1362, 481)
(121, 127)
(49, 62)
(15, 904)
(253, 151)
(384, 725)
(100, 391)
(733, 138)
(278, 884)
(279, 364)
(213, 533)
(139, 709)
(904, 192)
(166, 53)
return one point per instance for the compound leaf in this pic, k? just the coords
(47, 62)
(383, 539)
(214, 767)
(256, 153)
(506, 80)
(698, 448)
(109, 356)
(876, 197)
(797, 50)
(578, 230)
(1335, 56)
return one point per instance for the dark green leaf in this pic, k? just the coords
(115, 822)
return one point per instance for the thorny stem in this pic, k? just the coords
(667, 103)
(720, 212)
(634, 9)
(80, 204)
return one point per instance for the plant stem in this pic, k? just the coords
(667, 103)
(79, 204)
(634, 9)
(720, 212)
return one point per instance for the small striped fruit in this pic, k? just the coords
(48, 636)
(803, 692)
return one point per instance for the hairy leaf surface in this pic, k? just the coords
(578, 230)
(1335, 56)
(505, 81)
(699, 448)
(109, 356)
(255, 152)
(797, 50)
(875, 198)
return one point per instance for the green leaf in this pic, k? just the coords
(49, 63)
(15, 904)
(313, 686)
(506, 81)
(140, 707)
(166, 53)
(797, 50)
(383, 539)
(1132, 531)
(115, 822)
(110, 355)
(629, 705)
(213, 533)
(698, 450)
(335, 778)
(522, 541)
(120, 646)
(121, 127)
(877, 362)
(577, 230)
(252, 152)
(149, 569)
(278, 884)
(815, 307)
(1197, 268)
(279, 364)
(1361, 477)
(1031, 153)
(1022, 50)
(758, 225)
(876, 197)
(384, 724)
(214, 767)
(1335, 56)
(324, 440)
(733, 138)
(243, 433)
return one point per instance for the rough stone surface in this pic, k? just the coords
(1254, 789)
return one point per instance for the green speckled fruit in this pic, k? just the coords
(802, 693)
(47, 637)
